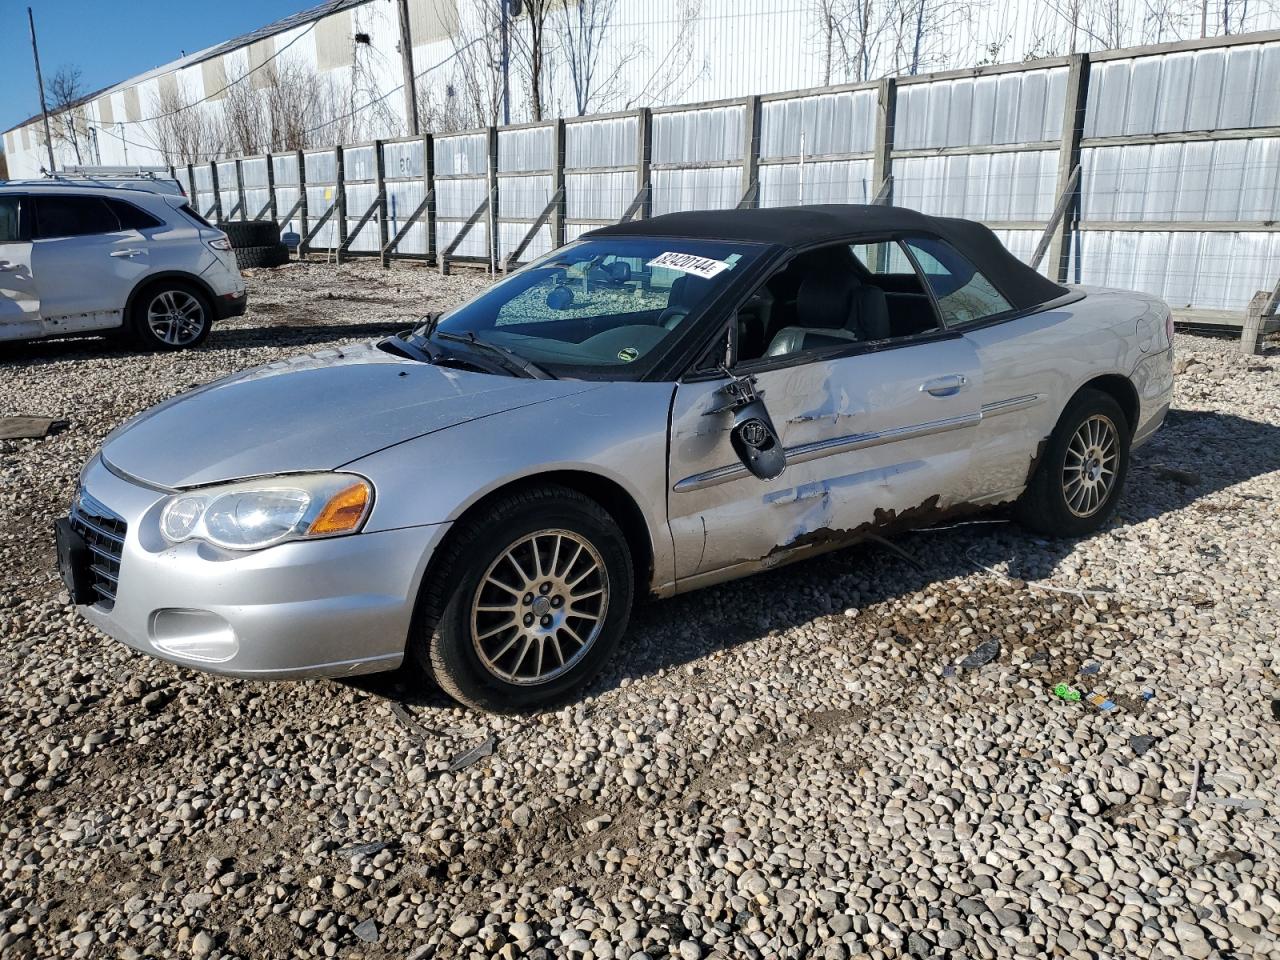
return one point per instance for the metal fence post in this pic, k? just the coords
(191, 183)
(429, 184)
(557, 185)
(380, 185)
(272, 208)
(244, 214)
(494, 246)
(751, 151)
(217, 194)
(339, 201)
(1073, 117)
(303, 218)
(882, 158)
(644, 158)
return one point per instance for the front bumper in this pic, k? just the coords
(330, 608)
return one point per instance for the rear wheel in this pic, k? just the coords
(1080, 478)
(527, 602)
(170, 315)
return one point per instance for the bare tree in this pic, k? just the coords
(181, 129)
(677, 70)
(832, 17)
(582, 30)
(66, 92)
(924, 34)
(528, 37)
(470, 93)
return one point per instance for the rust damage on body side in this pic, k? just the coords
(884, 523)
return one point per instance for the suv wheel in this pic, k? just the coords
(170, 315)
(527, 603)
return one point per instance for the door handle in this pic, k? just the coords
(127, 253)
(947, 386)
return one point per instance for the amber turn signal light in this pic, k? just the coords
(343, 513)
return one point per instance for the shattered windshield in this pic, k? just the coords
(598, 307)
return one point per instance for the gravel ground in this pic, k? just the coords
(810, 763)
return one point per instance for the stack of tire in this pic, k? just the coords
(256, 243)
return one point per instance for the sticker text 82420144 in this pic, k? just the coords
(704, 267)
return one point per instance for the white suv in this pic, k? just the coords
(77, 259)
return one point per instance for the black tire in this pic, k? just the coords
(441, 642)
(268, 256)
(1046, 505)
(161, 296)
(251, 233)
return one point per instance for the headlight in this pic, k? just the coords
(258, 513)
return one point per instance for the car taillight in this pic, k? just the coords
(220, 243)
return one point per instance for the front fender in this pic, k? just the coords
(617, 432)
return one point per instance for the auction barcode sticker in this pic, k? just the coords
(688, 263)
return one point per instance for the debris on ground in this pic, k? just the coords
(1101, 701)
(31, 428)
(364, 849)
(468, 757)
(982, 654)
(1141, 743)
(1068, 693)
(366, 930)
(1089, 669)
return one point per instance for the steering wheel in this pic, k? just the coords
(672, 317)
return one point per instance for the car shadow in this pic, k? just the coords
(1196, 454)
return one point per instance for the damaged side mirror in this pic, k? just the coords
(752, 434)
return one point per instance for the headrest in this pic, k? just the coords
(825, 300)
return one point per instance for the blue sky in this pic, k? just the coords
(111, 40)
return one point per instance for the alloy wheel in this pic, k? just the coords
(540, 607)
(176, 318)
(1089, 470)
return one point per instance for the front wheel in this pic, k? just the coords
(1079, 480)
(170, 315)
(527, 601)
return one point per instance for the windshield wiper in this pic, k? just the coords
(408, 348)
(508, 357)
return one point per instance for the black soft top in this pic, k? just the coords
(797, 227)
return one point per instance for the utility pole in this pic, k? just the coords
(44, 108)
(508, 7)
(406, 61)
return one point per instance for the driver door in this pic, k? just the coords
(876, 433)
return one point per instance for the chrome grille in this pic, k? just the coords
(103, 533)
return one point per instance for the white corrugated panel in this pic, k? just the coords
(466, 154)
(285, 168)
(474, 244)
(402, 160)
(286, 198)
(598, 196)
(358, 163)
(611, 142)
(255, 201)
(254, 172)
(831, 123)
(698, 136)
(827, 181)
(360, 197)
(510, 235)
(403, 198)
(204, 178)
(1023, 107)
(1260, 187)
(529, 148)
(523, 198)
(459, 198)
(704, 188)
(322, 166)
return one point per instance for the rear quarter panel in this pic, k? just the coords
(1050, 355)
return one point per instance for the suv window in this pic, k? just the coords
(964, 295)
(73, 217)
(8, 219)
(186, 208)
(131, 217)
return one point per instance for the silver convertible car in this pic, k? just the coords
(658, 406)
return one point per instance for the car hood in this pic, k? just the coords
(315, 412)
